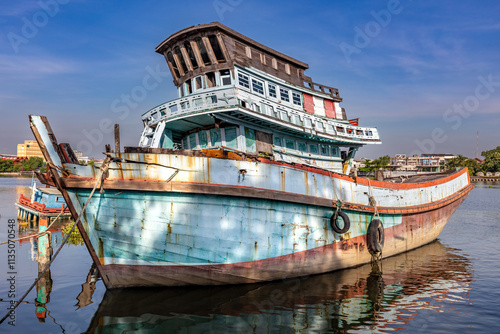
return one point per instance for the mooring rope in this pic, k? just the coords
(37, 234)
(104, 168)
(337, 201)
(376, 257)
(372, 201)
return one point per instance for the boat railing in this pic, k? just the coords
(299, 117)
(210, 100)
(231, 98)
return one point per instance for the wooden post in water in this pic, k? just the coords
(117, 138)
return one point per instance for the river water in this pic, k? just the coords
(450, 285)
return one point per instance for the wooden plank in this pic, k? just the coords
(117, 138)
(222, 190)
(69, 155)
(263, 142)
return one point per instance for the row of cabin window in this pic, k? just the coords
(220, 137)
(207, 80)
(272, 91)
(304, 148)
(198, 47)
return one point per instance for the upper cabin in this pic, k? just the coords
(237, 94)
(205, 56)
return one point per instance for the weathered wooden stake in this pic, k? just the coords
(117, 138)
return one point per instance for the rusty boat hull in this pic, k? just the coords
(172, 217)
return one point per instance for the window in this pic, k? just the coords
(335, 151)
(203, 51)
(369, 133)
(215, 139)
(250, 139)
(225, 77)
(203, 139)
(285, 96)
(257, 86)
(231, 137)
(272, 90)
(199, 82)
(277, 141)
(243, 80)
(340, 129)
(173, 108)
(185, 105)
(290, 144)
(296, 98)
(189, 89)
(172, 63)
(185, 143)
(178, 53)
(192, 141)
(302, 147)
(216, 47)
(313, 148)
(324, 149)
(192, 58)
(211, 79)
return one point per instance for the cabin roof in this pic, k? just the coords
(230, 32)
(50, 191)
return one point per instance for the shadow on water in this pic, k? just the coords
(352, 300)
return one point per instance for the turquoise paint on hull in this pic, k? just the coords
(174, 228)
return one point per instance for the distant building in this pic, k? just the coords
(423, 163)
(358, 163)
(29, 149)
(80, 157)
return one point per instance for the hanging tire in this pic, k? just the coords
(375, 236)
(334, 222)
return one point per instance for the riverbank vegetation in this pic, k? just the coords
(491, 163)
(33, 163)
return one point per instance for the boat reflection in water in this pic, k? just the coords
(43, 257)
(358, 299)
(42, 248)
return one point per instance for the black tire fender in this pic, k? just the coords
(375, 236)
(345, 219)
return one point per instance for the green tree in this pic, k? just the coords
(380, 163)
(491, 160)
(32, 163)
(461, 161)
(6, 165)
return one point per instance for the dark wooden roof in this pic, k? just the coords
(181, 34)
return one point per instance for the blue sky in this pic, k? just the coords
(425, 73)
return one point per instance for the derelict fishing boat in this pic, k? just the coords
(243, 178)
